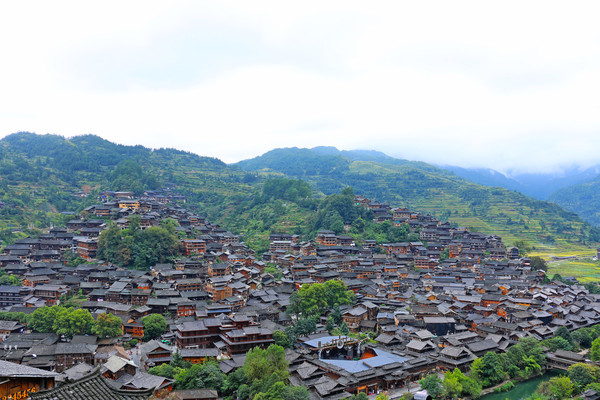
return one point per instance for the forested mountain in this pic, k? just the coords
(426, 188)
(43, 175)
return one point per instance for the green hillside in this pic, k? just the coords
(425, 188)
(42, 175)
(583, 199)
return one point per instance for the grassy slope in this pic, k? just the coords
(583, 268)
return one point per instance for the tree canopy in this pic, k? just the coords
(107, 325)
(314, 299)
(154, 326)
(62, 321)
(134, 247)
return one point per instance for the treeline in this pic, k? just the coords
(70, 321)
(134, 247)
(67, 321)
(305, 163)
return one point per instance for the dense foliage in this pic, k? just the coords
(134, 247)
(264, 376)
(154, 326)
(9, 279)
(107, 325)
(313, 299)
(580, 377)
(62, 321)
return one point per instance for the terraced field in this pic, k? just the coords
(585, 269)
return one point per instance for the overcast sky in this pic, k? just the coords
(506, 85)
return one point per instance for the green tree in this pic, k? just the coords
(154, 326)
(9, 279)
(280, 391)
(523, 246)
(69, 322)
(73, 259)
(360, 396)
(538, 263)
(234, 381)
(207, 375)
(595, 350)
(583, 374)
(164, 370)
(314, 299)
(525, 347)
(582, 337)
(593, 386)
(433, 385)
(178, 362)
(488, 369)
(13, 316)
(281, 339)
(564, 333)
(107, 325)
(456, 384)
(452, 387)
(557, 388)
(42, 319)
(592, 287)
(531, 366)
(138, 248)
(558, 342)
(261, 363)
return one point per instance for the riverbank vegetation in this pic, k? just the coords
(522, 361)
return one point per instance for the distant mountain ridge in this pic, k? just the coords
(583, 198)
(539, 186)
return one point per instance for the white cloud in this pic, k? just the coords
(508, 86)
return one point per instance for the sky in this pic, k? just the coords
(512, 85)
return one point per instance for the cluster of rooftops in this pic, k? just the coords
(425, 311)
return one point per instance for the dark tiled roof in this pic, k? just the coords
(91, 386)
(8, 369)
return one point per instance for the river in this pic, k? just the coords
(522, 390)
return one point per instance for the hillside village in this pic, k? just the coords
(418, 307)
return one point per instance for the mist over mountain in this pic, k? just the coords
(537, 185)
